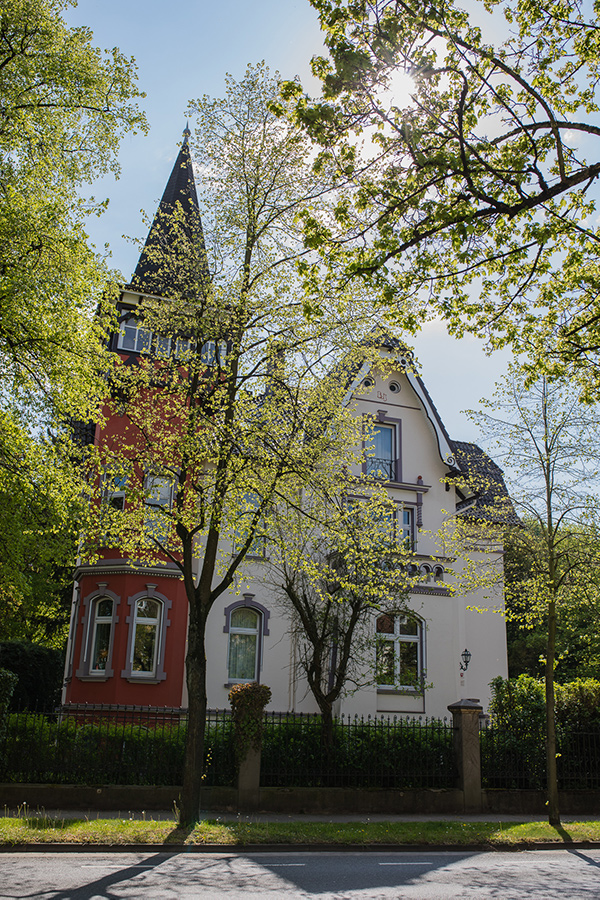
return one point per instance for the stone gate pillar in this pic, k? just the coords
(465, 718)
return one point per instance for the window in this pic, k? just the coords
(103, 618)
(113, 490)
(98, 622)
(380, 456)
(214, 354)
(244, 627)
(134, 337)
(405, 527)
(399, 653)
(163, 345)
(148, 625)
(184, 348)
(159, 498)
(258, 546)
(247, 623)
(146, 632)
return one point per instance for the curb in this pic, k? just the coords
(64, 847)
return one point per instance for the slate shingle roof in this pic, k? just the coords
(153, 274)
(492, 502)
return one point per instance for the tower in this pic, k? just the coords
(129, 620)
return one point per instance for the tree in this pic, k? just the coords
(248, 408)
(63, 108)
(577, 640)
(549, 442)
(41, 508)
(464, 145)
(335, 562)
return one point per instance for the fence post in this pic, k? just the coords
(249, 780)
(465, 719)
(248, 702)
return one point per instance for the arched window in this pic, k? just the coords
(102, 634)
(246, 622)
(98, 624)
(399, 653)
(148, 625)
(244, 629)
(146, 636)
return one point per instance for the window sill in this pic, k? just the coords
(143, 679)
(230, 684)
(93, 677)
(411, 692)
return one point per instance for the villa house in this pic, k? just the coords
(129, 621)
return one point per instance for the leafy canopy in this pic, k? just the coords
(471, 187)
(63, 107)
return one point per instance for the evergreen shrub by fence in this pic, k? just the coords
(513, 747)
(42, 749)
(366, 753)
(370, 753)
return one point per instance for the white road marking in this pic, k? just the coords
(424, 863)
(108, 866)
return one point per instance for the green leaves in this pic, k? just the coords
(470, 194)
(63, 108)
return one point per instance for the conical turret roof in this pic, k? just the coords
(173, 259)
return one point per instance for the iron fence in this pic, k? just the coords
(516, 760)
(384, 752)
(110, 744)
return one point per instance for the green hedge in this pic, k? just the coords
(513, 754)
(370, 755)
(39, 749)
(40, 675)
(375, 754)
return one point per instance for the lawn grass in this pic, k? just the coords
(42, 829)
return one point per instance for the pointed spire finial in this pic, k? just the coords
(187, 132)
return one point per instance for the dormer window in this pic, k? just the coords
(214, 353)
(134, 337)
(163, 345)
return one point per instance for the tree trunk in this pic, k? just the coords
(327, 725)
(551, 774)
(189, 804)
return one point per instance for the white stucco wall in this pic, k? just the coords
(450, 625)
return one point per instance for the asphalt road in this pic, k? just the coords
(531, 875)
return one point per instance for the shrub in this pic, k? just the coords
(39, 671)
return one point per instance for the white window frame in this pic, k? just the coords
(85, 672)
(98, 620)
(406, 525)
(155, 522)
(162, 623)
(163, 345)
(140, 621)
(399, 641)
(262, 631)
(240, 630)
(142, 341)
(114, 488)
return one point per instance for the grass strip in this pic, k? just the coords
(43, 829)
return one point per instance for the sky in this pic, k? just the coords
(183, 50)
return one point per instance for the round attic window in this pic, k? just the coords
(369, 382)
(394, 387)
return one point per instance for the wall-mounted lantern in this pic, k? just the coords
(466, 659)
